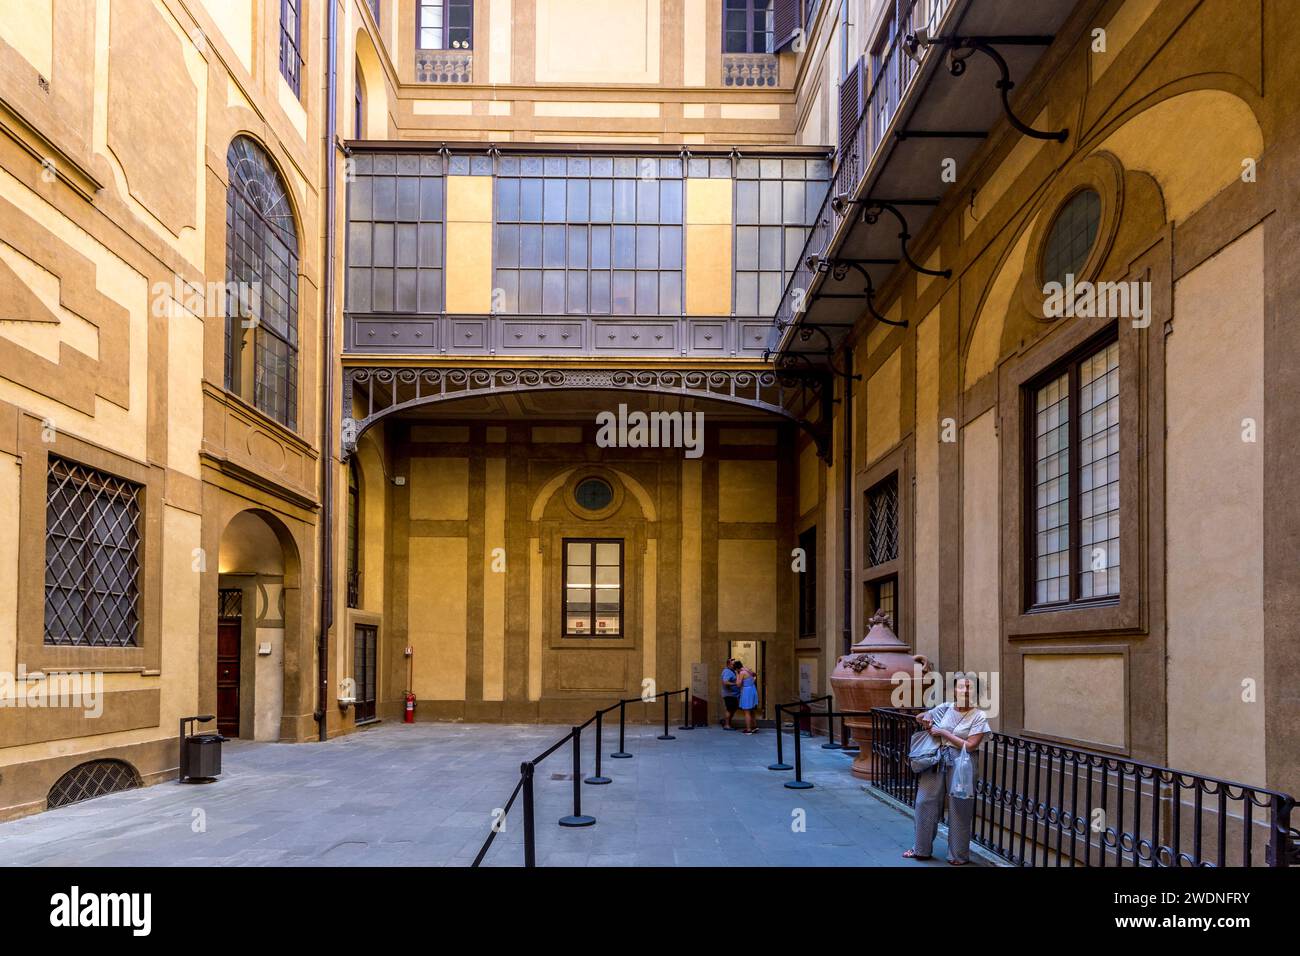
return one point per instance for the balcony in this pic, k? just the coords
(574, 335)
(918, 105)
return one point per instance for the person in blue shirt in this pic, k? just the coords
(730, 693)
(748, 682)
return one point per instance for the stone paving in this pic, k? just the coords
(423, 795)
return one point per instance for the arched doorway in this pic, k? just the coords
(257, 580)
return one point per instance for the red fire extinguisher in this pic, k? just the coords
(409, 716)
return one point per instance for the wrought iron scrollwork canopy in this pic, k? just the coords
(388, 389)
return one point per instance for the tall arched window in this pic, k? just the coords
(261, 285)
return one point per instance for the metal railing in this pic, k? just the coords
(890, 83)
(577, 818)
(1044, 804)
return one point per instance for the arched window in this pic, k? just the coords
(261, 285)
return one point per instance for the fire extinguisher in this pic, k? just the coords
(408, 716)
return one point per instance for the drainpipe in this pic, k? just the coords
(327, 364)
(847, 531)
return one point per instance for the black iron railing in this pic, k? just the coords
(577, 818)
(1045, 804)
(891, 76)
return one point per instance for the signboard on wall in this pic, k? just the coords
(807, 679)
(699, 681)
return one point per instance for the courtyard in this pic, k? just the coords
(424, 795)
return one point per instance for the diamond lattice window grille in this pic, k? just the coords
(92, 779)
(882, 522)
(92, 557)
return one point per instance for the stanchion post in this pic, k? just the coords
(577, 818)
(687, 723)
(666, 735)
(798, 783)
(780, 757)
(621, 753)
(830, 727)
(598, 779)
(530, 830)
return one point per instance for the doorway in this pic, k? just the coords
(364, 665)
(753, 654)
(230, 629)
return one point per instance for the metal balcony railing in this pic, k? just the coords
(890, 83)
(1044, 804)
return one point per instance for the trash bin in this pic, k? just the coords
(203, 755)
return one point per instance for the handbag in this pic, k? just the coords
(924, 752)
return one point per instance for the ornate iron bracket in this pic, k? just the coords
(840, 268)
(960, 49)
(871, 210)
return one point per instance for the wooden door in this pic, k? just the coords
(364, 661)
(228, 641)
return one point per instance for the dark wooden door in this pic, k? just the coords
(364, 661)
(228, 641)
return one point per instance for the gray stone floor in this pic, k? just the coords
(424, 794)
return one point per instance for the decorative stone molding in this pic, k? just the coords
(750, 70)
(444, 66)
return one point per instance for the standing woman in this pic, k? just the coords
(957, 725)
(748, 695)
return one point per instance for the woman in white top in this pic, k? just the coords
(957, 725)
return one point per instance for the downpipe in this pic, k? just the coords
(847, 531)
(327, 366)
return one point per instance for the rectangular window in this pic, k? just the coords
(396, 208)
(775, 201)
(92, 557)
(1074, 461)
(593, 587)
(446, 25)
(291, 44)
(747, 26)
(593, 235)
(882, 522)
(808, 584)
(882, 595)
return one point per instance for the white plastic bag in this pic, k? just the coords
(962, 785)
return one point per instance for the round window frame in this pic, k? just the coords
(1102, 174)
(587, 514)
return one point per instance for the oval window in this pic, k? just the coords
(1072, 237)
(593, 494)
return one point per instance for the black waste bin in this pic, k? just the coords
(203, 755)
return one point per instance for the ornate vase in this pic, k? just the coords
(879, 667)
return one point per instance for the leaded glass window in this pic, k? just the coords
(92, 557)
(396, 211)
(261, 285)
(1075, 464)
(1072, 236)
(593, 235)
(776, 200)
(291, 44)
(593, 587)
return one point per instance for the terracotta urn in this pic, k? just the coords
(880, 672)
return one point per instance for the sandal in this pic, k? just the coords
(912, 855)
(958, 862)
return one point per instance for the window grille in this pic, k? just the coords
(92, 557)
(882, 518)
